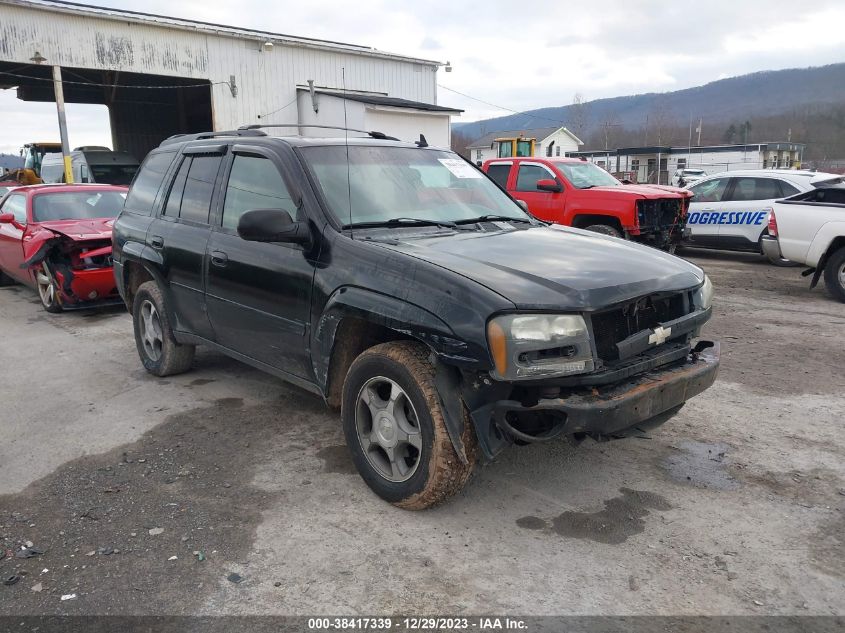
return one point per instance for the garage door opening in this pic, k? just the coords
(143, 109)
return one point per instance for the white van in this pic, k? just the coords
(91, 164)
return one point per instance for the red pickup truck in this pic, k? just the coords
(578, 193)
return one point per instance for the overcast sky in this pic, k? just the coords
(518, 54)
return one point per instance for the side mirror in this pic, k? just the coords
(547, 184)
(272, 225)
(7, 218)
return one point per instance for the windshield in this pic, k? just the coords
(584, 175)
(77, 205)
(113, 174)
(389, 183)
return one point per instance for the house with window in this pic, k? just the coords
(656, 164)
(548, 141)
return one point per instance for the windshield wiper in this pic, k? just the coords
(400, 222)
(491, 218)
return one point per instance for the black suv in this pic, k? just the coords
(402, 285)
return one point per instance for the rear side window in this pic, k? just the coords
(174, 198)
(145, 188)
(528, 176)
(254, 183)
(499, 174)
(788, 189)
(747, 189)
(196, 200)
(193, 186)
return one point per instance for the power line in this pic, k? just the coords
(260, 116)
(98, 85)
(536, 116)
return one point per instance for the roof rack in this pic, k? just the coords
(181, 138)
(372, 134)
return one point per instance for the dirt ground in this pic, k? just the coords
(225, 491)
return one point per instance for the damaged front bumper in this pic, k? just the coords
(602, 412)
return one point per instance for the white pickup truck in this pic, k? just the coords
(809, 228)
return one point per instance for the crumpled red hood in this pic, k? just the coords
(89, 229)
(39, 233)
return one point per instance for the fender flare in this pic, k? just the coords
(405, 318)
(151, 261)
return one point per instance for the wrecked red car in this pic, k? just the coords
(57, 239)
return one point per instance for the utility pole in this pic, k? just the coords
(698, 129)
(689, 142)
(60, 107)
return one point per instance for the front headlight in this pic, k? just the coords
(528, 346)
(703, 297)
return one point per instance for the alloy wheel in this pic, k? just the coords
(388, 429)
(150, 329)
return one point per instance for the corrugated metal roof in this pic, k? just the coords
(209, 27)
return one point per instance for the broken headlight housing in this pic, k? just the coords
(703, 296)
(526, 346)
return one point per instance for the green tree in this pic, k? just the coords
(730, 134)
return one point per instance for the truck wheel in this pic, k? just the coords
(604, 229)
(48, 290)
(160, 354)
(834, 274)
(395, 429)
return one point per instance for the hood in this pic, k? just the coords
(77, 230)
(555, 268)
(648, 192)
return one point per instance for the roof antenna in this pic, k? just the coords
(422, 142)
(346, 143)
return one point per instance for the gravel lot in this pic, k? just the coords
(146, 494)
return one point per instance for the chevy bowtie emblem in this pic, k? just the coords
(660, 335)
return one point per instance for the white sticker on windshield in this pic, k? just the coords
(461, 169)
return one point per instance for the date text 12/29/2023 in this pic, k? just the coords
(421, 623)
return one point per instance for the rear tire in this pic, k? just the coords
(160, 354)
(834, 274)
(604, 229)
(395, 429)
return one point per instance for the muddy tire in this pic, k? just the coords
(834, 274)
(48, 289)
(160, 354)
(604, 229)
(395, 429)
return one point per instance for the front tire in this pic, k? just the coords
(48, 289)
(834, 274)
(160, 354)
(395, 429)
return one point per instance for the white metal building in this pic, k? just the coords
(550, 141)
(161, 76)
(641, 163)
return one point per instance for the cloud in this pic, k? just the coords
(430, 44)
(533, 53)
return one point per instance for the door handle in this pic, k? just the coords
(219, 258)
(157, 242)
